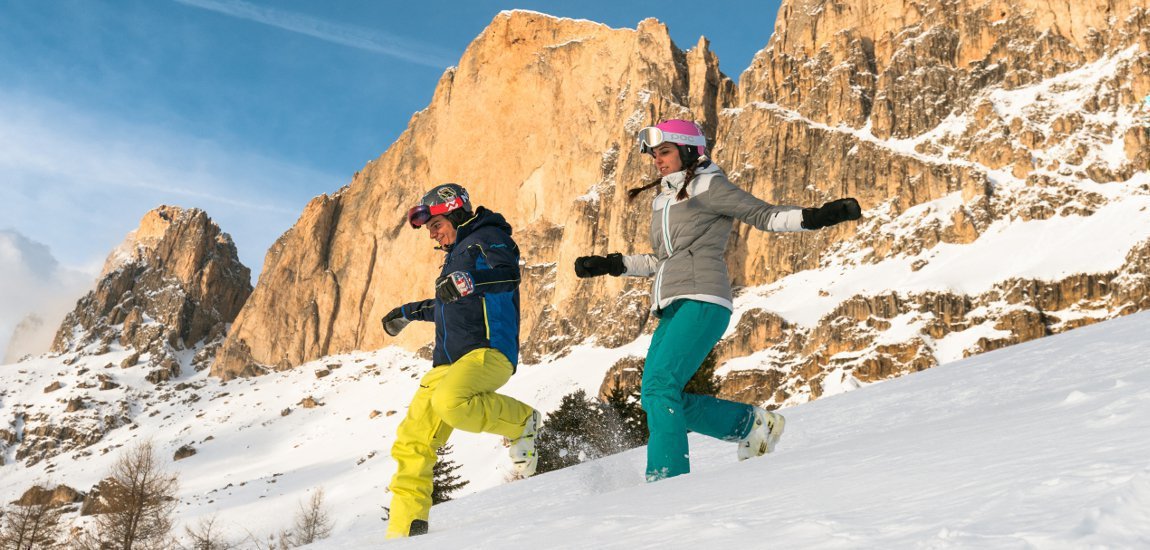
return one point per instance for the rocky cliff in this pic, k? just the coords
(159, 312)
(174, 284)
(538, 122)
(950, 121)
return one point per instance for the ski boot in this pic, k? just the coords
(765, 434)
(522, 448)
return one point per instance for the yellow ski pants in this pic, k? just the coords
(460, 395)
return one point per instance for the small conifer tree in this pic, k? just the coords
(568, 436)
(444, 479)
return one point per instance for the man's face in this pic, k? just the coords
(441, 231)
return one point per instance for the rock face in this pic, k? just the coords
(61, 495)
(946, 120)
(162, 305)
(174, 284)
(546, 110)
(168, 291)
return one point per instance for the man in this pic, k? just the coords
(476, 316)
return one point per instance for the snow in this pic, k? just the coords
(951, 347)
(1036, 445)
(253, 461)
(1068, 92)
(571, 42)
(1055, 248)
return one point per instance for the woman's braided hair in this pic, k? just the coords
(690, 175)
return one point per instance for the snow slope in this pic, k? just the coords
(254, 463)
(1041, 445)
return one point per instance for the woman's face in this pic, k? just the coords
(667, 159)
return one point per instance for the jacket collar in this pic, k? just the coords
(481, 218)
(673, 182)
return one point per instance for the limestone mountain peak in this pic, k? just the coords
(948, 121)
(173, 284)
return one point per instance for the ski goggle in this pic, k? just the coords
(421, 214)
(651, 137)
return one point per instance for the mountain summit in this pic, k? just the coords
(980, 140)
(174, 284)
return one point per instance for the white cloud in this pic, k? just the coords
(33, 283)
(346, 35)
(53, 141)
(80, 181)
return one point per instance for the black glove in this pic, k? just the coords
(454, 286)
(394, 322)
(594, 266)
(831, 213)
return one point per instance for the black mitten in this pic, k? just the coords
(594, 266)
(831, 213)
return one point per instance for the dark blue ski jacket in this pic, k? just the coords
(488, 318)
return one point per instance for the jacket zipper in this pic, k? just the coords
(666, 246)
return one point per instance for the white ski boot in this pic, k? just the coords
(764, 434)
(522, 449)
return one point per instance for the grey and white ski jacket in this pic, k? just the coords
(689, 237)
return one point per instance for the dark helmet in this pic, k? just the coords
(449, 200)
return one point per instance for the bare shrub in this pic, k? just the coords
(312, 521)
(206, 536)
(137, 500)
(32, 526)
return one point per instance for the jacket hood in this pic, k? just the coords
(482, 218)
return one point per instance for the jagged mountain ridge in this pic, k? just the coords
(161, 307)
(174, 284)
(536, 153)
(835, 105)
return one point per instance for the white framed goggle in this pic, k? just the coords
(651, 137)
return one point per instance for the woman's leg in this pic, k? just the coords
(718, 418)
(686, 333)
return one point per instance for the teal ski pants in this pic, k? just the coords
(687, 331)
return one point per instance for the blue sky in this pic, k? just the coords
(246, 109)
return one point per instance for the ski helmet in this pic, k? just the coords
(449, 200)
(686, 135)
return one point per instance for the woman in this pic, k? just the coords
(694, 209)
(476, 316)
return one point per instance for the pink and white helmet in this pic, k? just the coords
(687, 135)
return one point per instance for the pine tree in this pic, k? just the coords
(584, 428)
(444, 480)
(704, 382)
(624, 421)
(569, 435)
